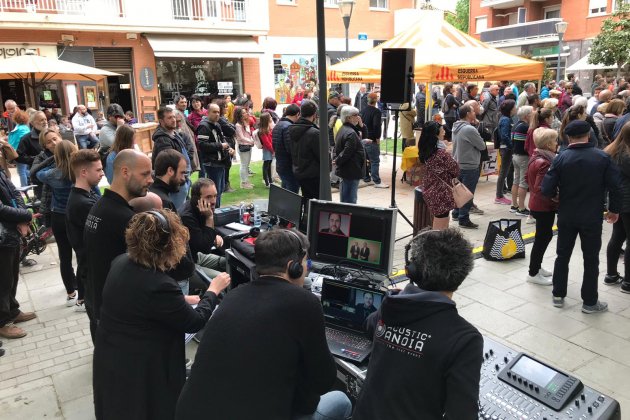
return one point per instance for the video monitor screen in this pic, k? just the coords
(361, 235)
(285, 204)
(349, 303)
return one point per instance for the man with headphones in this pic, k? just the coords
(436, 372)
(264, 353)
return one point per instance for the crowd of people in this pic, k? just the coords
(545, 144)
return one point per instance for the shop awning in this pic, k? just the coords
(583, 64)
(204, 47)
(443, 54)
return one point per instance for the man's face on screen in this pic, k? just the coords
(334, 223)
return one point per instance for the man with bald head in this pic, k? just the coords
(104, 235)
(151, 201)
(490, 116)
(213, 148)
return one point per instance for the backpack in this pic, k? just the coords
(445, 107)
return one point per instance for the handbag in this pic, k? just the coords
(503, 240)
(9, 237)
(244, 148)
(461, 194)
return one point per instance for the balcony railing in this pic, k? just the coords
(501, 3)
(65, 7)
(243, 15)
(214, 10)
(527, 30)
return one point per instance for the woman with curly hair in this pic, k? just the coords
(441, 169)
(139, 364)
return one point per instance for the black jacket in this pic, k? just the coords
(104, 240)
(12, 208)
(349, 152)
(582, 174)
(162, 189)
(139, 367)
(371, 117)
(282, 145)
(228, 131)
(80, 202)
(330, 112)
(43, 191)
(29, 147)
(421, 103)
(435, 374)
(305, 157)
(265, 351)
(162, 141)
(202, 237)
(210, 138)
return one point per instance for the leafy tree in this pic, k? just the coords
(461, 17)
(610, 47)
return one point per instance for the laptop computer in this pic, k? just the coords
(346, 307)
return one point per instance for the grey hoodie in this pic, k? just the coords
(467, 145)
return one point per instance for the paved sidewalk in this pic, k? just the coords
(47, 374)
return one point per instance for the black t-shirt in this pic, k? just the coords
(80, 202)
(104, 239)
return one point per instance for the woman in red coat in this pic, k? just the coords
(441, 169)
(542, 208)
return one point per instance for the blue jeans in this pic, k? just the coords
(373, 152)
(348, 190)
(288, 180)
(334, 405)
(470, 178)
(179, 198)
(86, 141)
(185, 286)
(217, 174)
(22, 170)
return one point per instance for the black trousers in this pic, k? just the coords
(591, 241)
(544, 234)
(84, 294)
(620, 234)
(506, 163)
(9, 274)
(267, 172)
(309, 187)
(65, 252)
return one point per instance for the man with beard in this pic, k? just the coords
(104, 235)
(170, 175)
(84, 128)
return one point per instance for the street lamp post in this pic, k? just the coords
(345, 7)
(561, 28)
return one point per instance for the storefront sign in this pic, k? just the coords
(147, 78)
(363, 37)
(543, 51)
(225, 88)
(13, 50)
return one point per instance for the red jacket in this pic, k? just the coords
(530, 146)
(538, 166)
(265, 139)
(195, 117)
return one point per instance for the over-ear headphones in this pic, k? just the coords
(164, 225)
(295, 267)
(414, 274)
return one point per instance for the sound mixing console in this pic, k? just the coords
(516, 386)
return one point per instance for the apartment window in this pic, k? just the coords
(331, 3)
(552, 12)
(481, 24)
(597, 7)
(379, 4)
(614, 4)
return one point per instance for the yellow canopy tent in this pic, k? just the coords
(443, 54)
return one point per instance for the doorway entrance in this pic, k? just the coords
(13, 89)
(119, 91)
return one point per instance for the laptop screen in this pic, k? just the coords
(347, 305)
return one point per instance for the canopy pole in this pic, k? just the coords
(35, 103)
(324, 147)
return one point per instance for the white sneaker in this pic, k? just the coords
(381, 185)
(539, 279)
(71, 300)
(530, 220)
(545, 273)
(79, 307)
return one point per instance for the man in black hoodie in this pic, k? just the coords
(304, 135)
(436, 373)
(215, 150)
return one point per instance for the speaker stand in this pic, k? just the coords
(393, 204)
